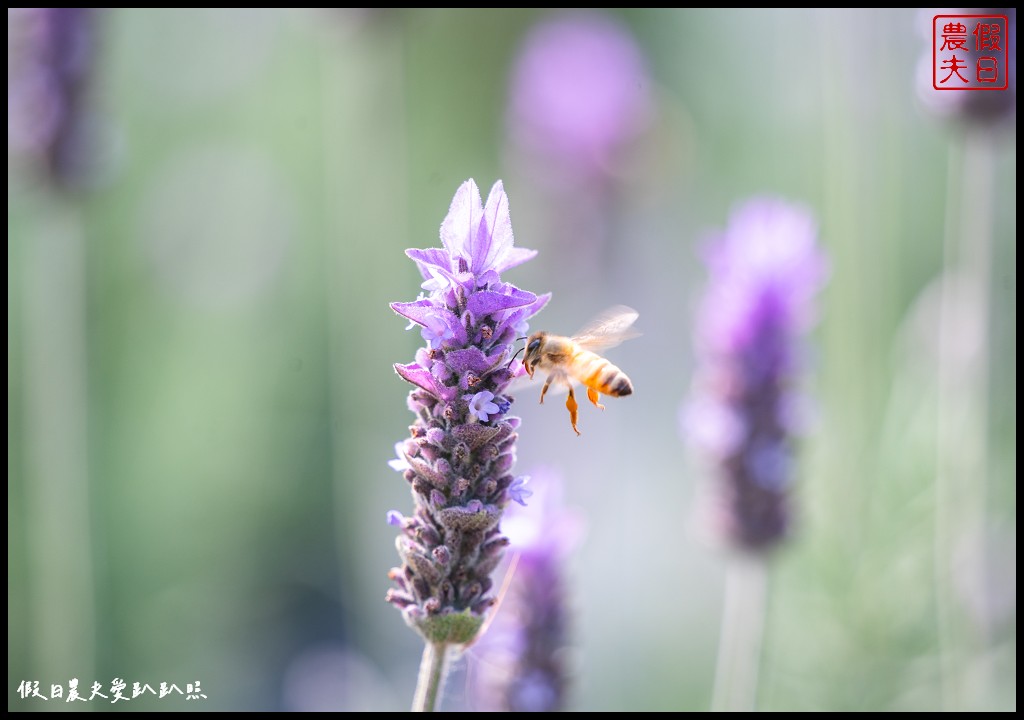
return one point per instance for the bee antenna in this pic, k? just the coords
(515, 356)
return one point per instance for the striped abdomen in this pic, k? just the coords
(595, 372)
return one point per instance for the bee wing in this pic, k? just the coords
(608, 329)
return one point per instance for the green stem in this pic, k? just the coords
(962, 430)
(57, 496)
(739, 646)
(433, 670)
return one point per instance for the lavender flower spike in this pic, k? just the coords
(764, 270)
(460, 456)
(520, 660)
(51, 55)
(579, 92)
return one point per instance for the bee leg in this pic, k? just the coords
(572, 407)
(593, 395)
(544, 390)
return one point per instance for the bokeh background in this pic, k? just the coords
(201, 400)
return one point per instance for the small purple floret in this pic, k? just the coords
(481, 406)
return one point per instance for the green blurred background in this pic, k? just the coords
(201, 400)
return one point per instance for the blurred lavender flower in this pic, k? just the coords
(579, 107)
(579, 91)
(519, 663)
(459, 458)
(764, 273)
(50, 55)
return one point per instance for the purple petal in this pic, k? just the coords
(481, 406)
(399, 463)
(515, 256)
(501, 255)
(446, 325)
(395, 518)
(470, 359)
(538, 305)
(431, 262)
(421, 377)
(494, 236)
(442, 327)
(486, 302)
(421, 312)
(466, 279)
(463, 220)
(518, 491)
(486, 279)
(435, 337)
(518, 318)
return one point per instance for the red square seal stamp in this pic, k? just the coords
(970, 52)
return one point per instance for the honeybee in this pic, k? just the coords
(575, 358)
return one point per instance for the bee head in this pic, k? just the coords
(534, 345)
